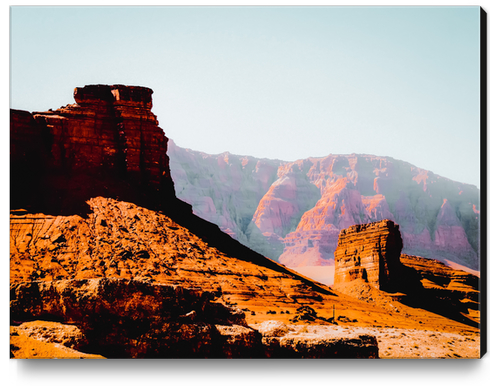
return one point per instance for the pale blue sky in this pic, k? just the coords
(286, 83)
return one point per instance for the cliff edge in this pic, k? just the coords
(108, 143)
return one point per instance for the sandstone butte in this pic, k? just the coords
(105, 257)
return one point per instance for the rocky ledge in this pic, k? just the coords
(120, 318)
(371, 253)
(314, 341)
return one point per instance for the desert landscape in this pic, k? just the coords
(106, 261)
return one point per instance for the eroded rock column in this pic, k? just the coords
(369, 251)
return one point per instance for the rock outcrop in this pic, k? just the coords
(135, 319)
(369, 251)
(46, 340)
(448, 291)
(303, 341)
(54, 332)
(305, 204)
(108, 143)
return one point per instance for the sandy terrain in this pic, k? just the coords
(397, 343)
(410, 343)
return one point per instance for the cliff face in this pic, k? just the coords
(308, 202)
(224, 189)
(108, 143)
(369, 251)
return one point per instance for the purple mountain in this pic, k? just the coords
(293, 211)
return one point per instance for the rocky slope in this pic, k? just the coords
(297, 218)
(120, 242)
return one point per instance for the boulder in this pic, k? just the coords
(129, 318)
(302, 341)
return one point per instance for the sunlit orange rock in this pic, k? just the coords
(369, 251)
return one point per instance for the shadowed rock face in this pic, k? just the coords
(136, 319)
(447, 291)
(369, 251)
(108, 143)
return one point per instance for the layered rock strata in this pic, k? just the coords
(452, 292)
(294, 211)
(107, 143)
(369, 255)
(369, 251)
(123, 318)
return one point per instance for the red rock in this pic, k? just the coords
(108, 143)
(130, 318)
(369, 251)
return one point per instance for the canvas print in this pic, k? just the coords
(246, 182)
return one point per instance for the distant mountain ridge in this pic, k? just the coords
(293, 211)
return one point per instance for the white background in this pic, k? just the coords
(215, 372)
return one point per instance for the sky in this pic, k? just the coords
(272, 82)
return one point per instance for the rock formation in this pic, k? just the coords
(132, 318)
(372, 253)
(99, 241)
(369, 251)
(45, 339)
(305, 204)
(289, 341)
(108, 143)
(450, 292)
